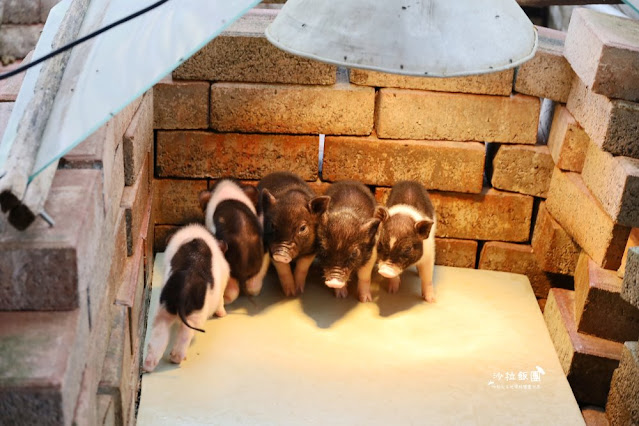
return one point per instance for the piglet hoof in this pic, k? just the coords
(221, 312)
(177, 357)
(365, 297)
(341, 293)
(150, 363)
(393, 285)
(300, 287)
(231, 292)
(429, 297)
(289, 290)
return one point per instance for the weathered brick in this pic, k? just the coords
(447, 166)
(554, 249)
(10, 87)
(622, 408)
(614, 181)
(491, 215)
(242, 53)
(454, 252)
(45, 8)
(181, 104)
(600, 310)
(18, 40)
(581, 215)
(594, 416)
(548, 74)
(498, 83)
(162, 235)
(138, 139)
(604, 52)
(197, 154)
(633, 241)
(21, 12)
(611, 123)
(175, 202)
(412, 114)
(630, 288)
(522, 168)
(134, 201)
(42, 356)
(519, 259)
(568, 142)
(319, 187)
(62, 256)
(340, 109)
(588, 361)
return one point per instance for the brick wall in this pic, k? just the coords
(21, 22)
(548, 194)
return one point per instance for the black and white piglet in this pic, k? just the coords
(195, 277)
(231, 216)
(291, 212)
(347, 237)
(408, 237)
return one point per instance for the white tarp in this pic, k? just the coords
(107, 73)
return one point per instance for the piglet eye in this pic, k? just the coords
(303, 229)
(354, 253)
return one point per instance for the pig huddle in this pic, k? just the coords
(279, 222)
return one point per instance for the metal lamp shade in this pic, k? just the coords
(435, 38)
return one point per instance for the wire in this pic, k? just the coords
(81, 40)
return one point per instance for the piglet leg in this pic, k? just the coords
(286, 277)
(231, 291)
(425, 269)
(221, 312)
(185, 335)
(393, 284)
(342, 293)
(159, 339)
(301, 271)
(364, 279)
(254, 284)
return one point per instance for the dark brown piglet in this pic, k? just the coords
(291, 212)
(347, 237)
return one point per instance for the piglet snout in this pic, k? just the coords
(335, 283)
(388, 271)
(282, 257)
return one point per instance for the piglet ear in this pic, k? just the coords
(381, 213)
(319, 205)
(252, 193)
(371, 227)
(267, 200)
(423, 228)
(222, 245)
(204, 198)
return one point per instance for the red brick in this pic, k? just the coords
(497, 83)
(138, 139)
(573, 206)
(491, 215)
(622, 407)
(242, 53)
(614, 181)
(522, 168)
(600, 310)
(162, 235)
(610, 123)
(340, 109)
(134, 201)
(43, 354)
(412, 114)
(447, 166)
(181, 105)
(568, 142)
(604, 51)
(197, 154)
(10, 87)
(554, 249)
(454, 252)
(542, 304)
(548, 74)
(518, 259)
(176, 201)
(588, 361)
(63, 256)
(319, 187)
(633, 241)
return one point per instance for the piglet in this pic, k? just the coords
(230, 213)
(291, 212)
(408, 237)
(195, 277)
(347, 235)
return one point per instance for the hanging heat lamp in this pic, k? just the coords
(434, 38)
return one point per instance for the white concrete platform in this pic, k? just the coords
(473, 358)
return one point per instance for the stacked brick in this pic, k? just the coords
(511, 195)
(21, 24)
(71, 297)
(585, 226)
